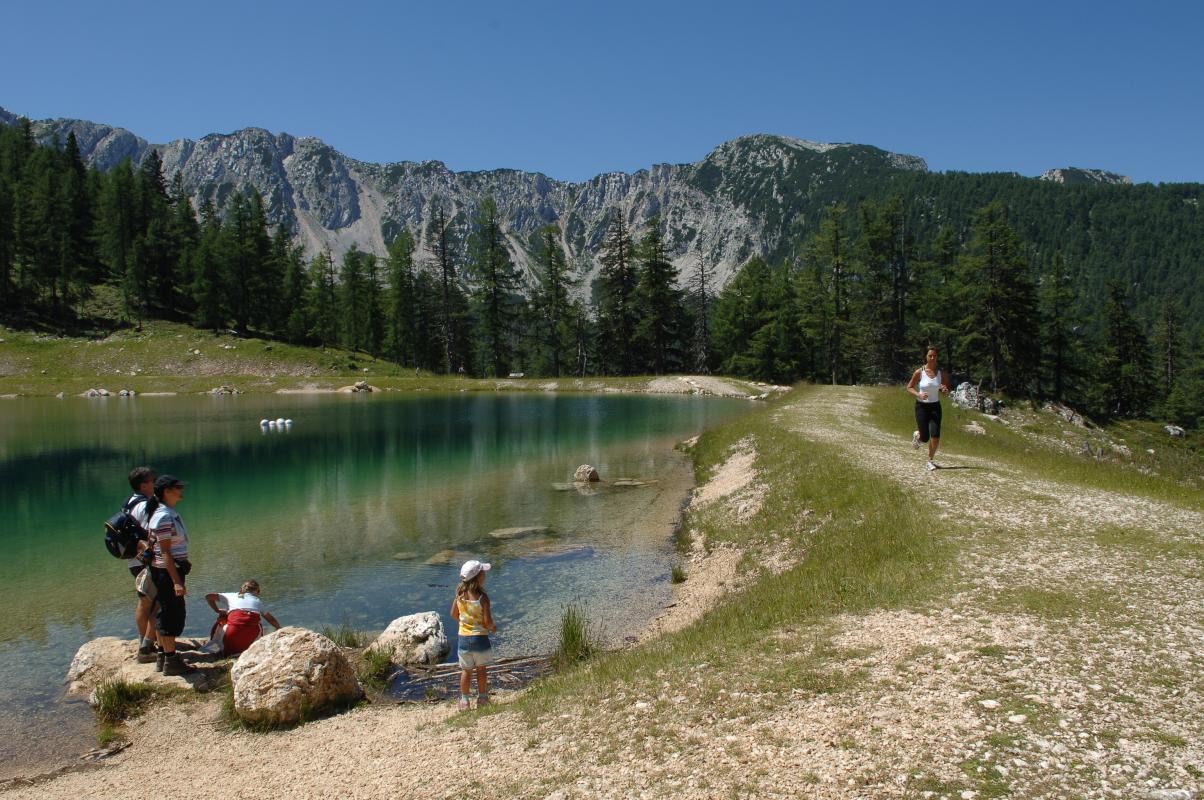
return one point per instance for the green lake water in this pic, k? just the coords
(337, 517)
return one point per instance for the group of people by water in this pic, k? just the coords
(161, 566)
(160, 569)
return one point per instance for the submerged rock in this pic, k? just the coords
(414, 639)
(586, 474)
(519, 532)
(291, 672)
(441, 558)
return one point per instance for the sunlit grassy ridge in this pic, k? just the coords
(1042, 444)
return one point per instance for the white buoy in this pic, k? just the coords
(288, 422)
(263, 423)
(280, 421)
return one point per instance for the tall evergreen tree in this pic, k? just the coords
(552, 306)
(1168, 345)
(999, 321)
(701, 289)
(443, 244)
(495, 300)
(829, 253)
(208, 288)
(402, 331)
(295, 296)
(615, 293)
(1059, 322)
(323, 300)
(1123, 370)
(660, 303)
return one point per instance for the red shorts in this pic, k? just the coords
(242, 628)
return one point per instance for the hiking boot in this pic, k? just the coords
(159, 657)
(147, 655)
(174, 665)
(915, 440)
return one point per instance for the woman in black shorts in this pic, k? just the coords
(927, 385)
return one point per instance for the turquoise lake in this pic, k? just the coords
(337, 517)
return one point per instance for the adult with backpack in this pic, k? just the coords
(126, 537)
(169, 540)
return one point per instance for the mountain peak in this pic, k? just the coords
(1080, 176)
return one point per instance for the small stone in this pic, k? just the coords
(989, 704)
(1018, 719)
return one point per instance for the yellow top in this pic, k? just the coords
(472, 617)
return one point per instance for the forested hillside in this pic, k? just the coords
(1087, 293)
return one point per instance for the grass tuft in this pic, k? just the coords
(118, 700)
(373, 667)
(578, 640)
(677, 574)
(344, 635)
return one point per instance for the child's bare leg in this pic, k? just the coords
(482, 682)
(465, 682)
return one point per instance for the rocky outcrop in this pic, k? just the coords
(359, 386)
(586, 474)
(414, 639)
(966, 395)
(290, 673)
(1078, 176)
(737, 202)
(1174, 431)
(109, 658)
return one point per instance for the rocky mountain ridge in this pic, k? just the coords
(735, 203)
(1079, 176)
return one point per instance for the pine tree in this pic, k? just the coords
(615, 293)
(551, 306)
(402, 332)
(660, 304)
(443, 244)
(829, 253)
(495, 301)
(1060, 322)
(296, 291)
(701, 288)
(323, 300)
(998, 301)
(208, 288)
(1123, 370)
(1168, 345)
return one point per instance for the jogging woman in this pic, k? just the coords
(927, 385)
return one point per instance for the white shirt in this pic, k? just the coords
(248, 602)
(931, 385)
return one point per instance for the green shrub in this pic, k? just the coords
(118, 700)
(677, 574)
(344, 635)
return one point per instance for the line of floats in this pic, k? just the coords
(278, 424)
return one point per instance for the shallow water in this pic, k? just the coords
(337, 518)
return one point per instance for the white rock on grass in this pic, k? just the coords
(289, 673)
(990, 705)
(414, 639)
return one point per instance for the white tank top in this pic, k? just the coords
(931, 385)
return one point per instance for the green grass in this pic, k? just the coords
(163, 357)
(578, 641)
(1058, 605)
(118, 700)
(677, 574)
(1179, 464)
(873, 549)
(344, 635)
(373, 668)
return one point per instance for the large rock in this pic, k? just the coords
(109, 658)
(966, 395)
(289, 673)
(1173, 430)
(586, 474)
(414, 639)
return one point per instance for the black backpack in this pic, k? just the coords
(123, 531)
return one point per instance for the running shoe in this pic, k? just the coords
(463, 704)
(930, 466)
(482, 700)
(915, 440)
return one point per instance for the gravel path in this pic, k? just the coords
(1063, 660)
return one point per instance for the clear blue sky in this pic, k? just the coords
(573, 89)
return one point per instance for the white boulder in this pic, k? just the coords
(414, 639)
(586, 474)
(289, 673)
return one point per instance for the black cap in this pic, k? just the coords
(164, 482)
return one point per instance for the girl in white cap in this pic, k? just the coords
(471, 608)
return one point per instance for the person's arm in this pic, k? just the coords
(211, 599)
(911, 386)
(487, 613)
(945, 382)
(455, 609)
(268, 616)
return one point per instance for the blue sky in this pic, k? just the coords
(573, 89)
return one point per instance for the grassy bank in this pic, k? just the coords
(168, 357)
(865, 545)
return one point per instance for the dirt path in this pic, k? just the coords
(1064, 660)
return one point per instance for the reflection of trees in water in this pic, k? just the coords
(355, 480)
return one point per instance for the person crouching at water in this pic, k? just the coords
(926, 385)
(168, 569)
(238, 623)
(472, 610)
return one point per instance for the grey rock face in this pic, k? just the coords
(1073, 176)
(739, 201)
